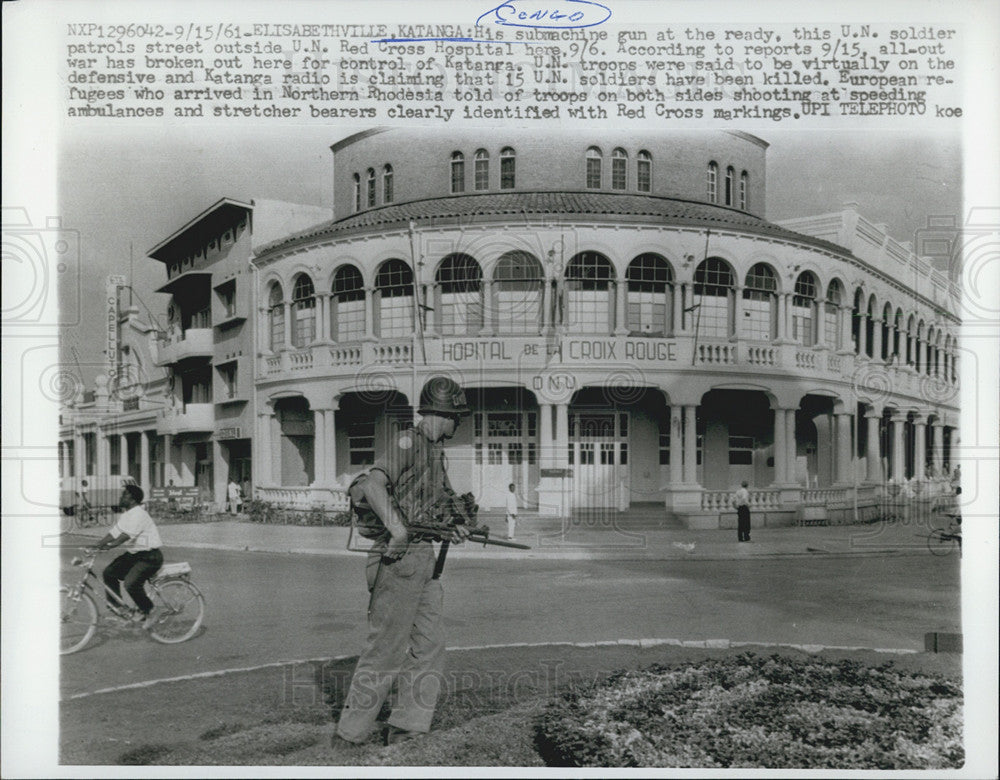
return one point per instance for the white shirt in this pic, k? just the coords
(140, 528)
(234, 491)
(742, 497)
(511, 504)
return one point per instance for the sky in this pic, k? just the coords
(123, 190)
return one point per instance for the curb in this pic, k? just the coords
(707, 644)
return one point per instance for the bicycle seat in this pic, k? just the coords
(174, 570)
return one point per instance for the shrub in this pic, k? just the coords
(749, 711)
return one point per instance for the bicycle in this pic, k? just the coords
(177, 602)
(941, 541)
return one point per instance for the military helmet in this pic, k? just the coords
(444, 396)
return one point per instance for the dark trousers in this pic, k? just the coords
(743, 523)
(133, 569)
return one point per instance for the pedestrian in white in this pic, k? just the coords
(511, 511)
(235, 497)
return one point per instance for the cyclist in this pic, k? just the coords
(136, 529)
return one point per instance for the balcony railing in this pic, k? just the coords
(304, 497)
(192, 343)
(187, 418)
(722, 500)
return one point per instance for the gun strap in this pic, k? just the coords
(439, 563)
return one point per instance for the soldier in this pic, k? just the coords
(405, 639)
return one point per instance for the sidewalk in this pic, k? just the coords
(608, 538)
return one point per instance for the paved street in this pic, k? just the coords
(265, 607)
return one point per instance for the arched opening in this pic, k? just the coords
(593, 171)
(760, 294)
(648, 295)
(457, 172)
(804, 309)
(834, 299)
(714, 286)
(394, 288)
(348, 320)
(303, 311)
(644, 172)
(296, 446)
(590, 279)
(276, 317)
(619, 169)
(517, 287)
(459, 287)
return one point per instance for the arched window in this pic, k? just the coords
(713, 182)
(357, 192)
(457, 172)
(648, 295)
(517, 285)
(834, 297)
(619, 169)
(303, 312)
(394, 287)
(371, 187)
(931, 350)
(870, 327)
(759, 303)
(804, 309)
(387, 193)
(644, 172)
(482, 173)
(713, 292)
(590, 278)
(918, 358)
(276, 316)
(856, 320)
(730, 185)
(459, 282)
(886, 332)
(897, 327)
(348, 320)
(594, 158)
(744, 187)
(506, 168)
(909, 341)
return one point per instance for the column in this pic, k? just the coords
(220, 475)
(844, 460)
(545, 444)
(79, 455)
(323, 325)
(872, 455)
(488, 308)
(675, 309)
(331, 445)
(145, 482)
(790, 441)
(562, 435)
(169, 469)
(288, 324)
(319, 447)
(780, 447)
(103, 459)
(819, 315)
(845, 329)
(369, 313)
(690, 446)
(67, 467)
(123, 455)
(877, 340)
(898, 450)
(544, 322)
(620, 290)
(676, 445)
(919, 447)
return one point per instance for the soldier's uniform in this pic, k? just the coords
(405, 638)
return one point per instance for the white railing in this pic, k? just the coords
(716, 353)
(345, 356)
(300, 360)
(761, 356)
(722, 500)
(833, 362)
(822, 497)
(273, 364)
(304, 497)
(805, 359)
(392, 353)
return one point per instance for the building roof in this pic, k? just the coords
(198, 230)
(597, 206)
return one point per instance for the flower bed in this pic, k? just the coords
(750, 711)
(273, 514)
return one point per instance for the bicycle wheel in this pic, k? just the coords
(77, 620)
(181, 609)
(939, 542)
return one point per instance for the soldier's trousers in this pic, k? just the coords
(405, 646)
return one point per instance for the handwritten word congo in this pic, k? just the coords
(560, 14)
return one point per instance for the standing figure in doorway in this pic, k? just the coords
(741, 500)
(511, 510)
